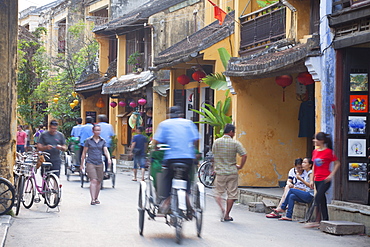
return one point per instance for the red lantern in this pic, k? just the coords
(284, 81)
(305, 78)
(141, 101)
(133, 104)
(122, 103)
(113, 104)
(183, 80)
(198, 76)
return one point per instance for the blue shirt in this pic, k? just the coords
(106, 132)
(76, 130)
(140, 141)
(85, 132)
(180, 134)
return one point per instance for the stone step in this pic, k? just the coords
(342, 227)
(257, 207)
(351, 205)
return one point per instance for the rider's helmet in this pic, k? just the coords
(175, 112)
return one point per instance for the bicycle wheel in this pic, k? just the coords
(7, 196)
(113, 176)
(52, 191)
(20, 188)
(198, 211)
(206, 174)
(141, 210)
(28, 193)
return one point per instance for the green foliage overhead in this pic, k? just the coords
(41, 78)
(33, 67)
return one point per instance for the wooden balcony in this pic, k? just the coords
(342, 5)
(263, 26)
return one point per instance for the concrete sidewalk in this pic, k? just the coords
(4, 226)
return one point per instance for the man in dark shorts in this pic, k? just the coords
(52, 141)
(138, 150)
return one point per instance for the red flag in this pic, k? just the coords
(219, 14)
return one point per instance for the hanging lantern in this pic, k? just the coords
(305, 78)
(72, 105)
(284, 81)
(76, 101)
(133, 104)
(100, 103)
(141, 101)
(122, 103)
(198, 76)
(55, 100)
(74, 94)
(113, 104)
(183, 80)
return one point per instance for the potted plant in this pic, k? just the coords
(135, 60)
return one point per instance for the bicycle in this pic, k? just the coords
(7, 196)
(206, 173)
(22, 170)
(50, 188)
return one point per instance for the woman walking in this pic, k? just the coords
(322, 156)
(95, 146)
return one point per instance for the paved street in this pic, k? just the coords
(115, 223)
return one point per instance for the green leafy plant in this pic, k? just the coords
(265, 3)
(217, 81)
(33, 67)
(135, 61)
(216, 116)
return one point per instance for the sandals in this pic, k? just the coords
(273, 215)
(229, 219)
(94, 202)
(285, 218)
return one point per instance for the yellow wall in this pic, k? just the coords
(268, 129)
(103, 53)
(121, 55)
(89, 104)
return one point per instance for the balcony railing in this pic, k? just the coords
(263, 26)
(339, 5)
(98, 20)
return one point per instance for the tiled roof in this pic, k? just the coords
(128, 83)
(280, 58)
(93, 81)
(37, 11)
(189, 48)
(138, 15)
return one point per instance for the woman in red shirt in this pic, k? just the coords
(322, 157)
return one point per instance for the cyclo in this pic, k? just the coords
(152, 195)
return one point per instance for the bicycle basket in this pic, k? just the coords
(26, 168)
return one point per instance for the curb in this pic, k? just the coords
(4, 226)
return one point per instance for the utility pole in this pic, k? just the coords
(8, 85)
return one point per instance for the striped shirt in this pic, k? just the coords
(224, 150)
